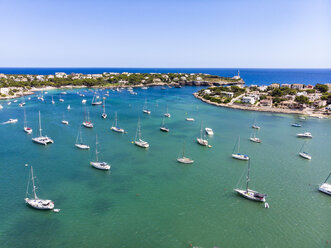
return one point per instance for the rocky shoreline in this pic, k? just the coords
(262, 109)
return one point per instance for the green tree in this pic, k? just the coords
(302, 99)
(322, 88)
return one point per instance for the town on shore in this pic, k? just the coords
(228, 92)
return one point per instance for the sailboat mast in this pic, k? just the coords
(327, 178)
(39, 125)
(247, 178)
(238, 144)
(96, 147)
(24, 118)
(104, 106)
(183, 149)
(115, 119)
(33, 185)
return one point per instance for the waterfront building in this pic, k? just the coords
(266, 102)
(274, 86)
(248, 99)
(297, 86)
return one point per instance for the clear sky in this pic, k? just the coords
(166, 33)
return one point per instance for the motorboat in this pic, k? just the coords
(304, 135)
(209, 131)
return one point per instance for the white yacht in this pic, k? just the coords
(26, 129)
(63, 93)
(239, 155)
(325, 187)
(10, 121)
(248, 193)
(79, 141)
(183, 159)
(53, 102)
(202, 140)
(144, 88)
(304, 135)
(145, 109)
(34, 201)
(167, 114)
(115, 128)
(83, 101)
(97, 164)
(69, 107)
(255, 139)
(138, 141)
(209, 131)
(87, 123)
(42, 140)
(163, 128)
(304, 154)
(189, 119)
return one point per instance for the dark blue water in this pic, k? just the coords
(251, 76)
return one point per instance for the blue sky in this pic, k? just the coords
(172, 33)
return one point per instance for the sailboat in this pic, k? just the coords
(239, 155)
(27, 129)
(79, 141)
(96, 100)
(304, 154)
(202, 141)
(87, 123)
(69, 107)
(163, 128)
(65, 122)
(115, 128)
(53, 102)
(325, 187)
(96, 164)
(83, 101)
(255, 126)
(167, 114)
(145, 109)
(61, 100)
(183, 159)
(43, 140)
(253, 138)
(138, 141)
(248, 193)
(104, 115)
(34, 201)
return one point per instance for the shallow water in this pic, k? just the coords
(150, 200)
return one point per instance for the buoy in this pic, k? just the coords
(132, 142)
(209, 146)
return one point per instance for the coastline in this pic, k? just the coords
(262, 109)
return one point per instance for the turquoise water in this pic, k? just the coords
(150, 200)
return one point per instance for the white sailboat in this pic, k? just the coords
(189, 119)
(202, 140)
(326, 187)
(255, 126)
(1, 107)
(79, 141)
(87, 123)
(248, 193)
(42, 140)
(115, 127)
(96, 100)
(183, 159)
(304, 154)
(53, 102)
(138, 141)
(239, 155)
(163, 128)
(97, 164)
(104, 115)
(255, 139)
(26, 129)
(167, 114)
(83, 101)
(64, 121)
(34, 201)
(68, 108)
(145, 109)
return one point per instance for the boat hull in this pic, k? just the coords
(117, 130)
(325, 188)
(305, 155)
(43, 140)
(40, 204)
(164, 129)
(82, 146)
(142, 144)
(185, 160)
(250, 195)
(202, 142)
(28, 130)
(100, 165)
(240, 157)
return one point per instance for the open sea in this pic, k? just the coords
(148, 199)
(250, 76)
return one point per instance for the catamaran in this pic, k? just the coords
(34, 201)
(145, 109)
(42, 140)
(167, 114)
(87, 123)
(304, 154)
(79, 141)
(253, 138)
(104, 115)
(183, 159)
(96, 164)
(202, 141)
(115, 128)
(26, 129)
(138, 141)
(163, 128)
(96, 100)
(239, 155)
(304, 135)
(248, 193)
(325, 187)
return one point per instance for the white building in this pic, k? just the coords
(60, 75)
(248, 99)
